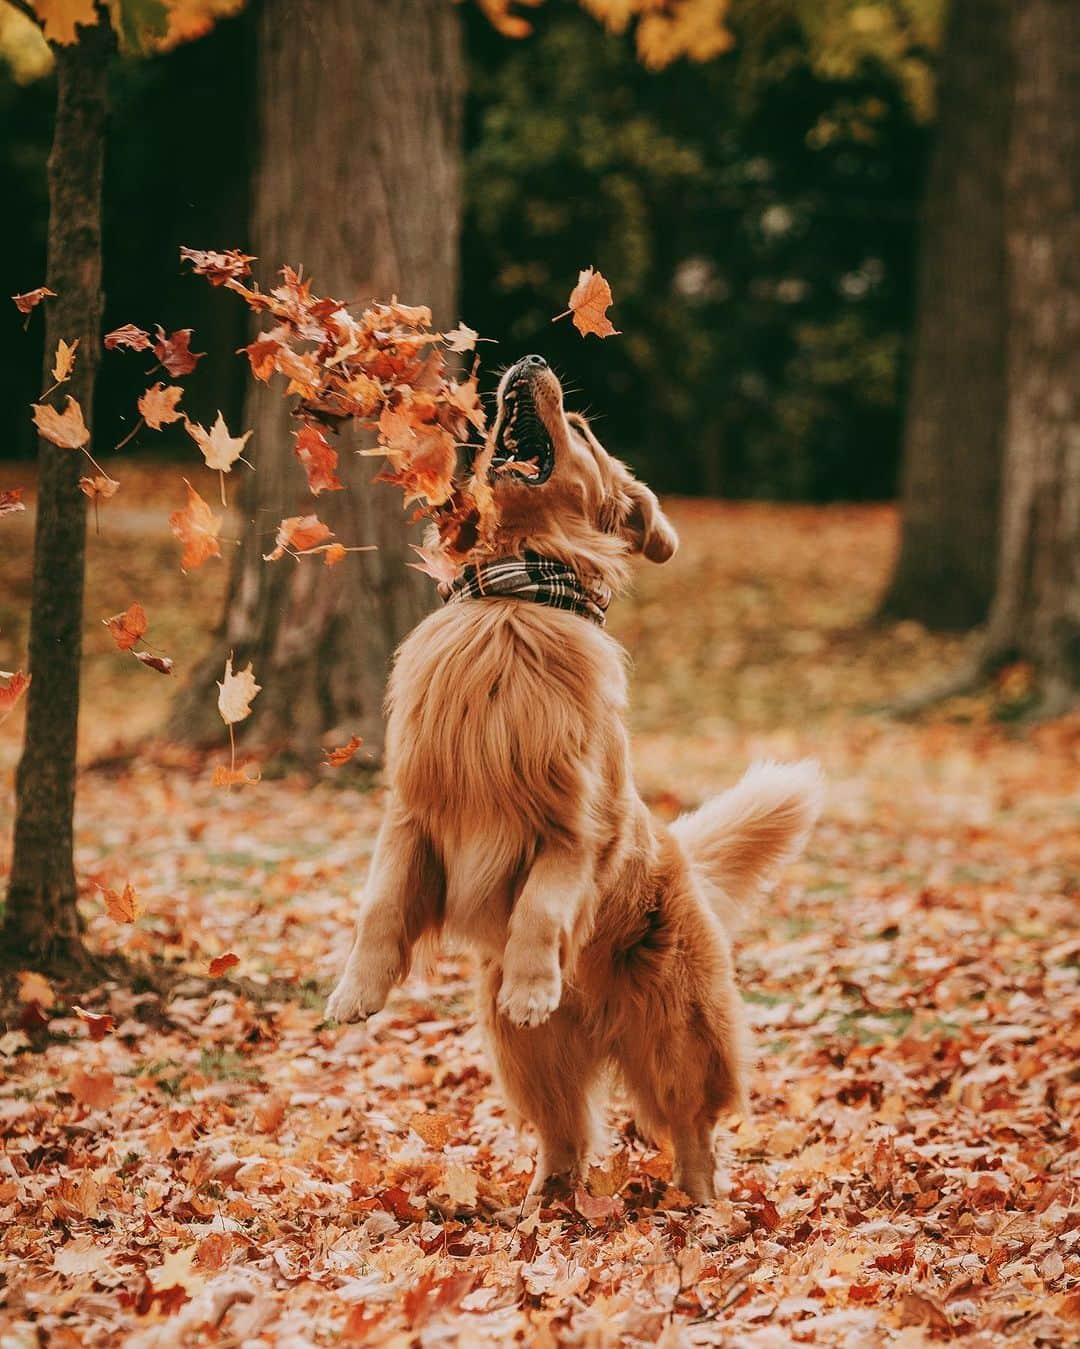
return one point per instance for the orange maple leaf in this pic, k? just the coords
(589, 302)
(13, 690)
(65, 360)
(197, 528)
(26, 302)
(96, 1091)
(296, 534)
(218, 267)
(336, 757)
(126, 628)
(121, 906)
(11, 501)
(99, 1025)
(174, 352)
(234, 777)
(66, 429)
(319, 460)
(222, 964)
(335, 553)
(34, 987)
(157, 406)
(99, 486)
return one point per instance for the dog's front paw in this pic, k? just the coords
(357, 996)
(528, 1000)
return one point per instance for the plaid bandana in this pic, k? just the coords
(532, 577)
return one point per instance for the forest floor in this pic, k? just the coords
(213, 1165)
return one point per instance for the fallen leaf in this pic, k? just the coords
(99, 487)
(157, 406)
(34, 987)
(66, 429)
(296, 534)
(596, 1208)
(11, 501)
(135, 339)
(222, 964)
(13, 690)
(197, 528)
(319, 460)
(174, 352)
(461, 1186)
(99, 1025)
(589, 302)
(122, 906)
(126, 628)
(96, 1091)
(65, 360)
(29, 299)
(336, 757)
(236, 692)
(218, 447)
(163, 664)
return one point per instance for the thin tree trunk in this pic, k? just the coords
(1036, 612)
(41, 920)
(953, 436)
(359, 151)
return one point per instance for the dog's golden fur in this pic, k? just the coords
(513, 824)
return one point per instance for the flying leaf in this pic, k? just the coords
(222, 964)
(434, 563)
(461, 338)
(197, 528)
(297, 533)
(335, 553)
(126, 628)
(65, 360)
(99, 487)
(162, 664)
(59, 17)
(26, 302)
(121, 906)
(96, 1091)
(11, 501)
(174, 352)
(319, 460)
(236, 692)
(135, 339)
(157, 406)
(589, 301)
(219, 449)
(66, 429)
(234, 777)
(218, 267)
(336, 757)
(99, 1025)
(13, 690)
(34, 987)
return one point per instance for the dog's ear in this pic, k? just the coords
(646, 526)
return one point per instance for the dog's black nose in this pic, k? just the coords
(534, 360)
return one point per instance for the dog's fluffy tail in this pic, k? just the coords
(737, 842)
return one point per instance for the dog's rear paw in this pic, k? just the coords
(352, 1001)
(530, 1001)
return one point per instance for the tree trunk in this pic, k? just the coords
(1036, 612)
(359, 180)
(953, 437)
(41, 921)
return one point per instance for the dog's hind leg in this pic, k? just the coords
(402, 900)
(549, 1075)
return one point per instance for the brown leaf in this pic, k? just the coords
(96, 1091)
(60, 17)
(222, 964)
(336, 757)
(99, 487)
(135, 339)
(34, 987)
(98, 1025)
(297, 533)
(589, 301)
(163, 664)
(11, 501)
(197, 528)
(122, 907)
(157, 406)
(174, 352)
(218, 267)
(13, 690)
(65, 360)
(126, 628)
(26, 302)
(66, 429)
(319, 459)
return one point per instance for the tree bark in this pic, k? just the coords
(953, 437)
(41, 920)
(1036, 611)
(359, 180)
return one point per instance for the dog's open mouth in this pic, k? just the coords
(523, 448)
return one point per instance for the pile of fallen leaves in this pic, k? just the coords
(211, 1163)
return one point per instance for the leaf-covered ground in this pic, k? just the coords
(216, 1168)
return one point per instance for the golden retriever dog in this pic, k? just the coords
(513, 825)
